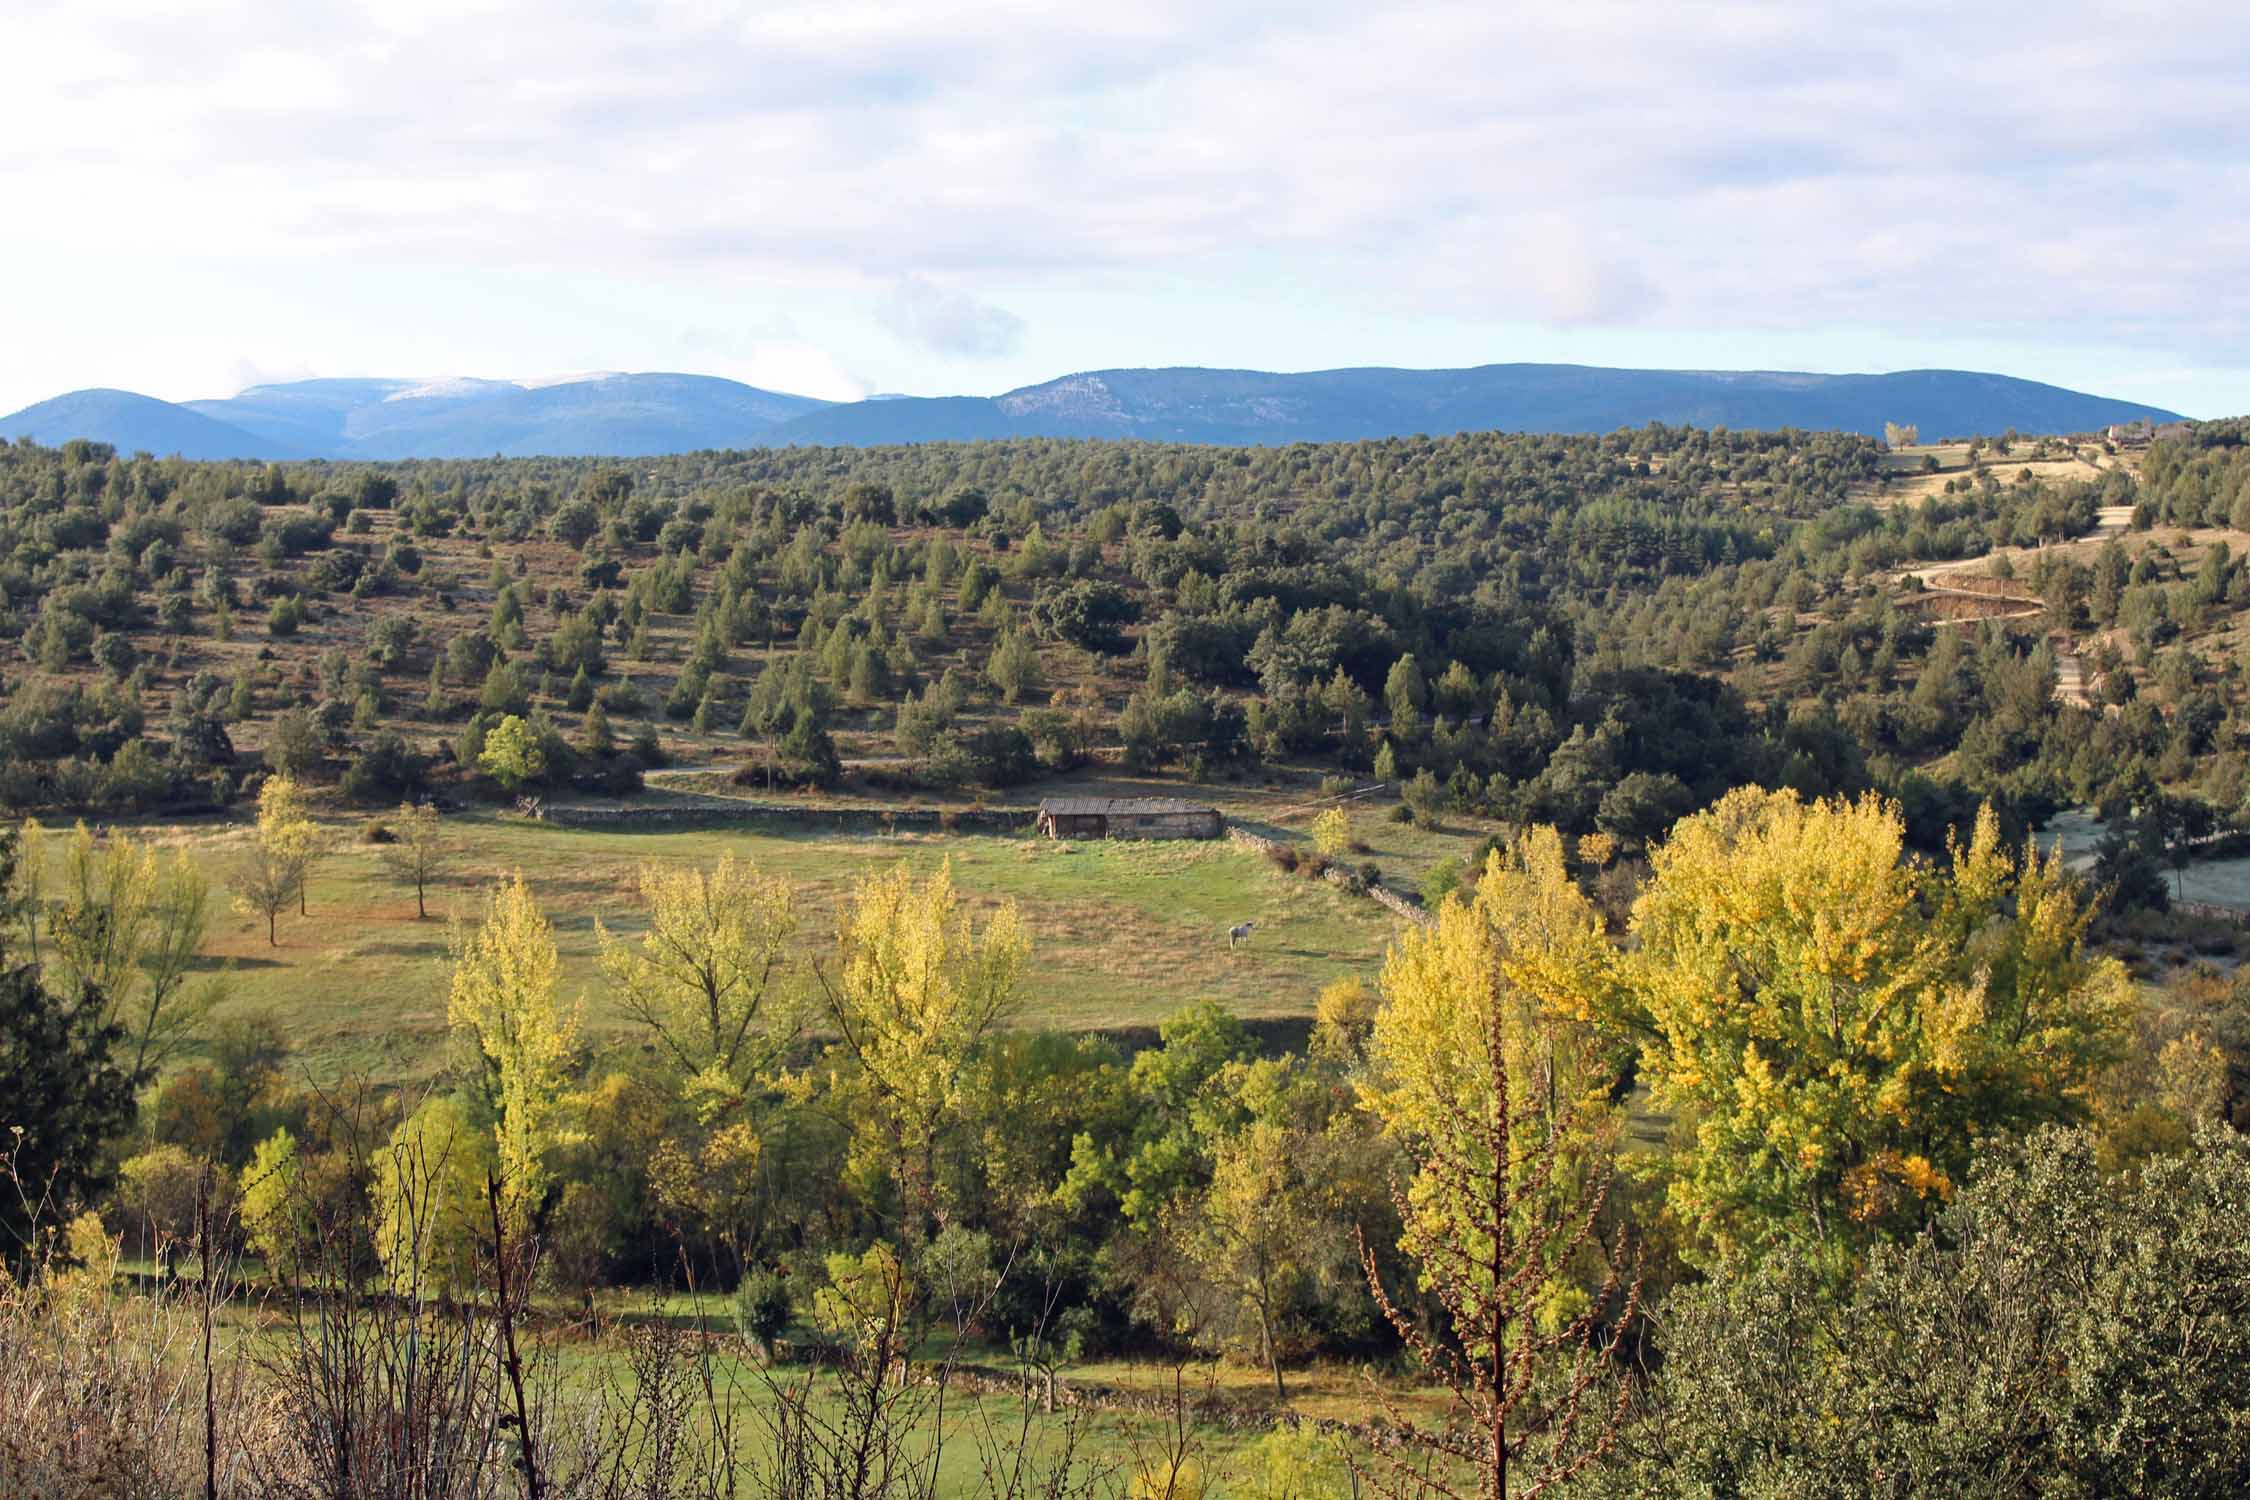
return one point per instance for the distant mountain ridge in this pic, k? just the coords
(635, 415)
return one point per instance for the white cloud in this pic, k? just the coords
(2056, 170)
(948, 322)
(793, 368)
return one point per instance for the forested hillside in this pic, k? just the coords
(1743, 1045)
(1596, 632)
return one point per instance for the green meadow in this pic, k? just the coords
(1124, 933)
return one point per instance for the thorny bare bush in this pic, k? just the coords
(109, 1394)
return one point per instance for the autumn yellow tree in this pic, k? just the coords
(282, 849)
(285, 822)
(1499, 1097)
(1343, 1016)
(431, 1212)
(505, 1012)
(1836, 1023)
(1256, 1230)
(276, 1218)
(128, 926)
(915, 989)
(1550, 941)
(702, 979)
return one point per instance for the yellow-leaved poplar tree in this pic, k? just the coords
(285, 822)
(1549, 940)
(282, 849)
(1499, 1097)
(433, 1219)
(1836, 1023)
(277, 1215)
(916, 988)
(505, 1011)
(1256, 1230)
(702, 977)
(128, 927)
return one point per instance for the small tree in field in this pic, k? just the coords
(421, 853)
(281, 854)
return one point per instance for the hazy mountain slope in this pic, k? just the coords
(309, 415)
(627, 415)
(620, 414)
(1250, 406)
(904, 419)
(640, 415)
(133, 423)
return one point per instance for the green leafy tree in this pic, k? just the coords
(2059, 1331)
(512, 754)
(64, 1093)
(1013, 667)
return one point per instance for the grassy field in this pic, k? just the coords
(1124, 933)
(1911, 483)
(984, 1414)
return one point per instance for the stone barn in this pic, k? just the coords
(1128, 818)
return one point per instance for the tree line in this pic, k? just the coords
(1789, 1164)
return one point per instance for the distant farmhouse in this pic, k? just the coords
(1128, 818)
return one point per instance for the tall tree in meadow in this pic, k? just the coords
(1501, 1103)
(285, 823)
(917, 987)
(421, 851)
(703, 982)
(504, 1012)
(282, 847)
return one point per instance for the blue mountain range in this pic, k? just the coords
(639, 415)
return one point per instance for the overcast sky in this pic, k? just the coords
(841, 197)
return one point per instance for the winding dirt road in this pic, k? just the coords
(2070, 673)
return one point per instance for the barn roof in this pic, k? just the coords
(1081, 807)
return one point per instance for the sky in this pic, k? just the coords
(859, 196)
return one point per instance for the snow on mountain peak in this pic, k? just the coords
(457, 386)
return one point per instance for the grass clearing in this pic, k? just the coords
(1124, 932)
